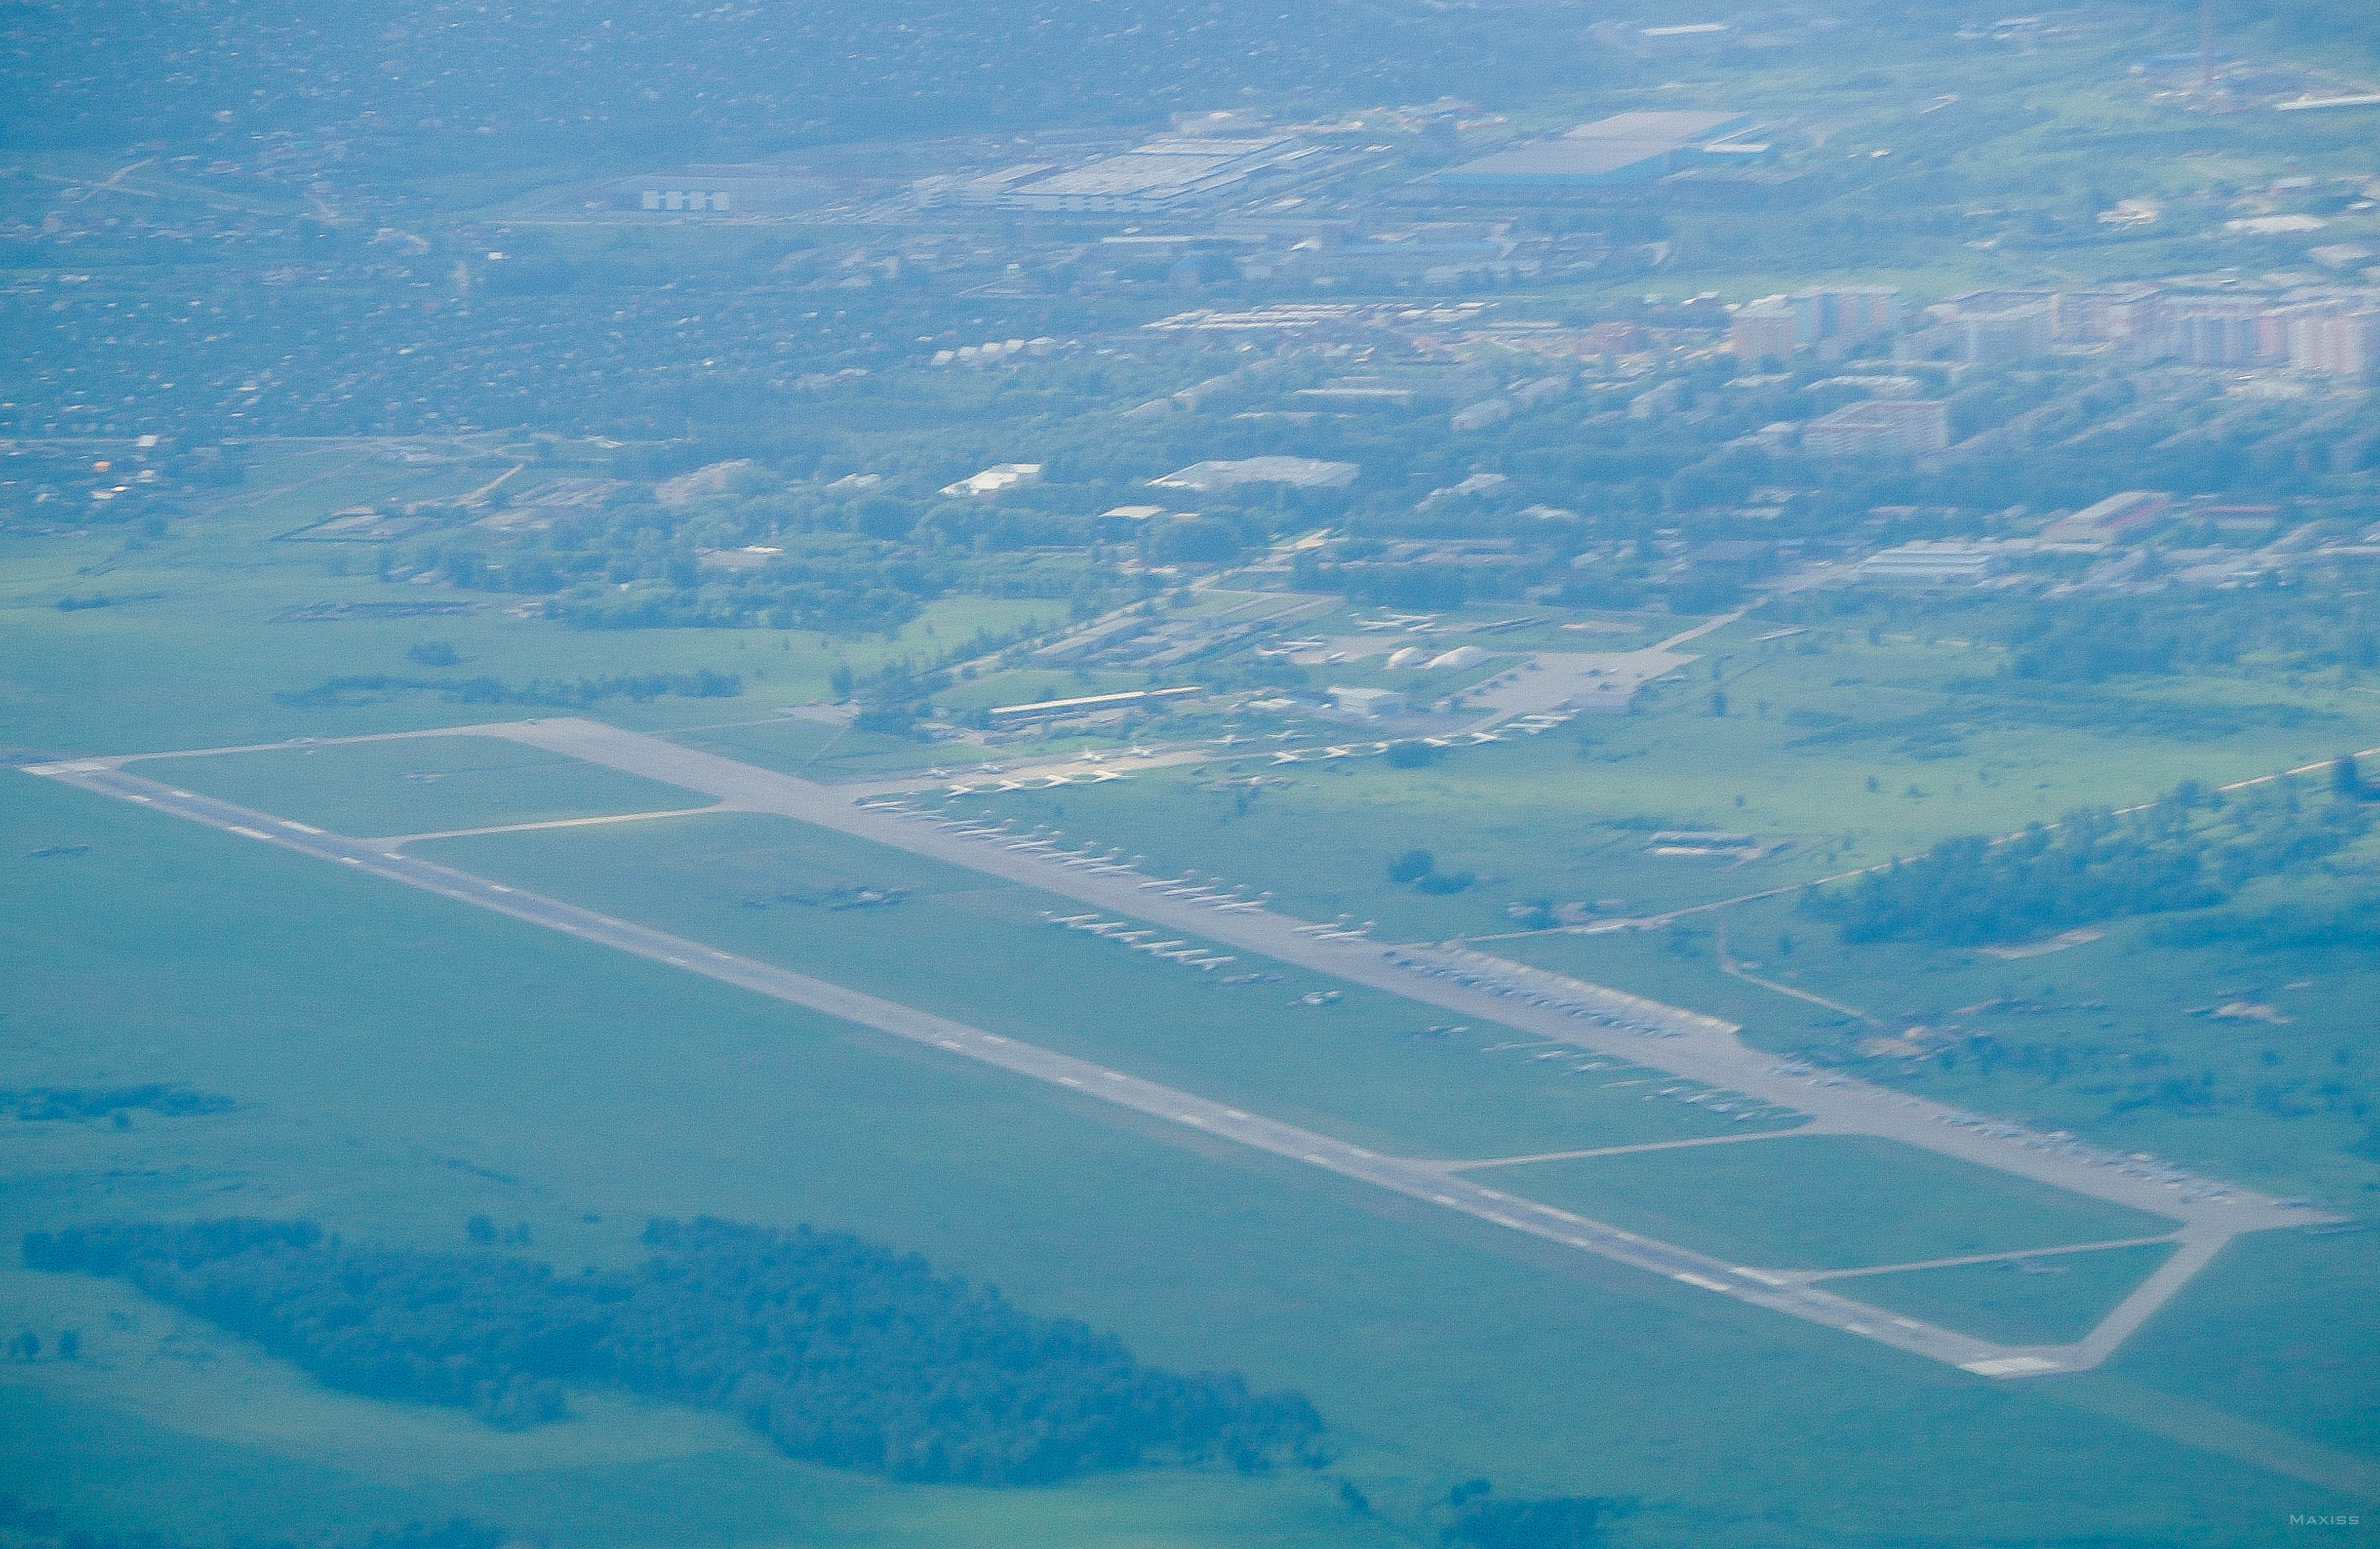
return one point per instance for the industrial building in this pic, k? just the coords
(997, 479)
(1370, 703)
(1306, 473)
(2101, 523)
(1881, 426)
(1626, 148)
(1930, 565)
(1157, 174)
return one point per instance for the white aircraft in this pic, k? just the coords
(1285, 755)
(1438, 741)
(1090, 757)
(1010, 785)
(1101, 777)
(962, 791)
(1070, 921)
(1156, 949)
(1478, 737)
(1057, 780)
(937, 774)
(1226, 740)
(992, 768)
(1338, 752)
(1138, 752)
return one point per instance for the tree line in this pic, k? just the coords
(2190, 849)
(839, 1350)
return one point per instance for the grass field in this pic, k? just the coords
(401, 1064)
(1824, 1202)
(2116, 1038)
(418, 785)
(1365, 1068)
(431, 1062)
(2044, 1301)
(1847, 753)
(197, 635)
(2314, 1372)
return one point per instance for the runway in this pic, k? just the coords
(1644, 1032)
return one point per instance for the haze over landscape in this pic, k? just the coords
(1518, 775)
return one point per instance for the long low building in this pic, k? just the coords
(1881, 428)
(1090, 703)
(1306, 473)
(1625, 147)
(1156, 174)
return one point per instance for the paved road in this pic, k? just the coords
(1468, 984)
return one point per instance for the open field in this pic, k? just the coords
(418, 785)
(1813, 722)
(2046, 1300)
(570, 1083)
(187, 640)
(1823, 1202)
(1366, 1067)
(2115, 1037)
(2312, 1371)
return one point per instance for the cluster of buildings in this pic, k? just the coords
(2321, 332)
(1828, 320)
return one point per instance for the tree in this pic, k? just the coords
(1412, 866)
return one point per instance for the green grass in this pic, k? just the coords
(2041, 1302)
(2314, 1374)
(1824, 1202)
(403, 1062)
(418, 785)
(621, 1476)
(193, 658)
(2112, 1038)
(980, 951)
(1564, 817)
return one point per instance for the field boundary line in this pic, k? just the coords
(1642, 1145)
(1980, 1258)
(394, 839)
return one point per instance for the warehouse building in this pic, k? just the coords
(1625, 147)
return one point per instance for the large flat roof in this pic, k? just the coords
(1622, 148)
